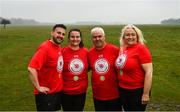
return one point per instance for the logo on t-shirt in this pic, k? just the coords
(76, 66)
(60, 64)
(101, 66)
(121, 60)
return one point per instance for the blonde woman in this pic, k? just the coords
(134, 66)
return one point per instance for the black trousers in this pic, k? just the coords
(107, 105)
(48, 102)
(73, 102)
(131, 99)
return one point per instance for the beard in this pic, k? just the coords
(57, 40)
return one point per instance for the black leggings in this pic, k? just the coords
(73, 102)
(48, 102)
(107, 105)
(131, 99)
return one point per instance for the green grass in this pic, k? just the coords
(18, 44)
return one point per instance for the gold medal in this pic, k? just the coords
(102, 78)
(76, 78)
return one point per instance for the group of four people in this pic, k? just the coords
(121, 77)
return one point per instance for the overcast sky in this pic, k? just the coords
(105, 11)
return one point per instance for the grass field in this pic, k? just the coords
(18, 44)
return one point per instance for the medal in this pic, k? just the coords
(75, 78)
(102, 78)
(121, 61)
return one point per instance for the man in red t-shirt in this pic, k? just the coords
(45, 71)
(104, 77)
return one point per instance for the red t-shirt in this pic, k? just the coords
(48, 62)
(75, 71)
(130, 72)
(104, 77)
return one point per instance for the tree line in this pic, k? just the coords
(171, 21)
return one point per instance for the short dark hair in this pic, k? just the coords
(59, 25)
(81, 44)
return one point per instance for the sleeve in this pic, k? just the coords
(144, 55)
(86, 49)
(39, 59)
(117, 51)
(63, 50)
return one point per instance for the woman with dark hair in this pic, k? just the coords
(74, 72)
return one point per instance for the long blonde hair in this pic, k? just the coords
(140, 38)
